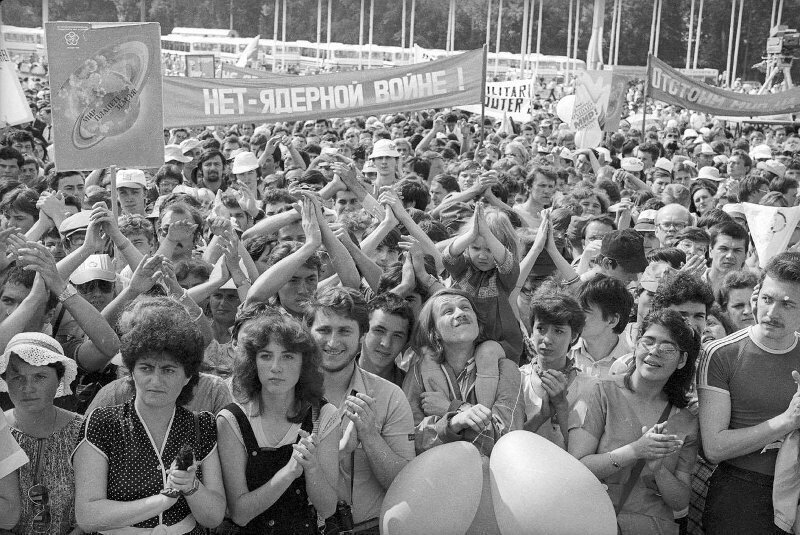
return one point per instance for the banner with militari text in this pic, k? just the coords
(669, 85)
(442, 83)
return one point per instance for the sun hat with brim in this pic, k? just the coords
(244, 162)
(720, 159)
(689, 133)
(632, 165)
(709, 172)
(173, 153)
(773, 166)
(703, 148)
(646, 221)
(665, 164)
(189, 144)
(131, 178)
(384, 147)
(75, 223)
(761, 152)
(38, 349)
(96, 267)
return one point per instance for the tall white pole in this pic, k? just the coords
(772, 15)
(569, 40)
(411, 29)
(538, 43)
(658, 27)
(619, 32)
(283, 39)
(526, 60)
(652, 27)
(319, 25)
(488, 28)
(730, 42)
(403, 30)
(371, 27)
(612, 35)
(699, 34)
(361, 37)
(738, 39)
(691, 32)
(275, 37)
(780, 13)
(523, 45)
(330, 12)
(577, 35)
(499, 30)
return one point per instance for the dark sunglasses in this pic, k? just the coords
(89, 287)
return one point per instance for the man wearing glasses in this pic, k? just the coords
(670, 220)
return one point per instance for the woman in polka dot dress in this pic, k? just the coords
(127, 477)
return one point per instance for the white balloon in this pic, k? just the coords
(540, 489)
(564, 108)
(589, 138)
(437, 493)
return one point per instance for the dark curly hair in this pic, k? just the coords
(681, 287)
(255, 327)
(688, 341)
(159, 325)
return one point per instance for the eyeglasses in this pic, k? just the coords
(664, 349)
(40, 497)
(76, 240)
(675, 225)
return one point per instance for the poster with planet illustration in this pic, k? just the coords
(106, 94)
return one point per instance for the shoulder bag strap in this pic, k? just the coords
(636, 471)
(250, 442)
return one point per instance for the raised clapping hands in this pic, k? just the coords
(304, 456)
(655, 445)
(309, 222)
(360, 409)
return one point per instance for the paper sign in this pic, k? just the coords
(506, 99)
(106, 94)
(771, 228)
(14, 108)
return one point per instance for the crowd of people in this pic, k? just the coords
(264, 331)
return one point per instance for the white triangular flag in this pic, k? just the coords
(771, 228)
(251, 47)
(14, 108)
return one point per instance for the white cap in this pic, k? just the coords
(75, 222)
(174, 153)
(773, 166)
(632, 165)
(689, 133)
(96, 267)
(709, 172)
(384, 147)
(665, 164)
(131, 178)
(761, 152)
(189, 144)
(244, 162)
(704, 148)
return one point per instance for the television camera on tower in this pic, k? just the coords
(783, 47)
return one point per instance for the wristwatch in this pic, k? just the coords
(69, 291)
(171, 493)
(195, 488)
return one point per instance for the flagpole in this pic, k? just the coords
(275, 37)
(411, 28)
(488, 24)
(483, 90)
(361, 37)
(497, 40)
(612, 36)
(658, 27)
(403, 30)
(523, 45)
(697, 36)
(538, 42)
(653, 27)
(691, 32)
(619, 32)
(569, 40)
(577, 36)
(319, 26)
(527, 59)
(738, 39)
(283, 39)
(330, 12)
(646, 93)
(371, 27)
(772, 15)
(728, 80)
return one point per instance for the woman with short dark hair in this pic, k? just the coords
(150, 463)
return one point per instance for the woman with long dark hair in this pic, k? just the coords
(638, 434)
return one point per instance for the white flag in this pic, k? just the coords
(251, 47)
(14, 108)
(771, 228)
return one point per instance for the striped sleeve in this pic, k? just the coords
(714, 369)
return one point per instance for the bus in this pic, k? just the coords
(25, 43)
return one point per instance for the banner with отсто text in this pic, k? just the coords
(442, 83)
(106, 94)
(669, 85)
(512, 99)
